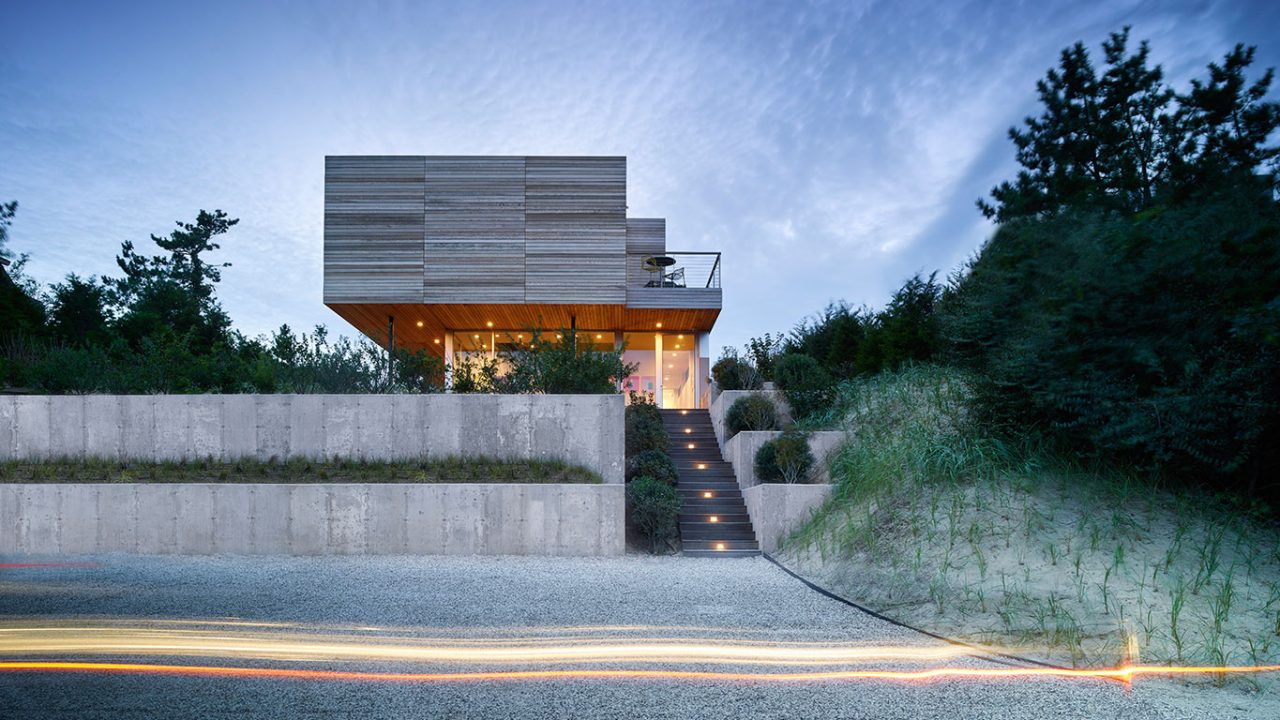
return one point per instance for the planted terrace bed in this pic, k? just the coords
(298, 471)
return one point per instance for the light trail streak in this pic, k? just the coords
(1124, 674)
(228, 642)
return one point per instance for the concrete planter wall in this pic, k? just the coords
(320, 519)
(582, 429)
(777, 510)
(741, 449)
(720, 407)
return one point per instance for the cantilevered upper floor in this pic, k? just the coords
(447, 243)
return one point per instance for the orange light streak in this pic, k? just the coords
(1125, 674)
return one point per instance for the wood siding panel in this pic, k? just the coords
(475, 218)
(674, 298)
(575, 230)
(373, 229)
(645, 237)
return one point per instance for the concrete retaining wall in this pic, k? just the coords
(725, 400)
(741, 449)
(320, 519)
(777, 510)
(583, 429)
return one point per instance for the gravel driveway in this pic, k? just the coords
(496, 597)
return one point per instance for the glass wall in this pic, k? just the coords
(679, 364)
(639, 350)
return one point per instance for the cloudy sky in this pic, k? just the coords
(830, 150)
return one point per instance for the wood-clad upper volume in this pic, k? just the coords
(422, 237)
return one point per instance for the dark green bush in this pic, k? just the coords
(654, 509)
(753, 412)
(786, 458)
(734, 373)
(645, 430)
(653, 463)
(807, 386)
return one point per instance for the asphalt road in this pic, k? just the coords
(495, 600)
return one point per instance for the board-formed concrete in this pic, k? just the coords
(778, 509)
(312, 519)
(585, 430)
(741, 450)
(726, 398)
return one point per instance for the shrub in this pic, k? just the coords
(753, 412)
(806, 385)
(786, 458)
(645, 430)
(654, 509)
(734, 373)
(652, 463)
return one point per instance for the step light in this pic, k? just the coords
(713, 518)
(706, 494)
(702, 466)
(691, 446)
(719, 546)
(688, 431)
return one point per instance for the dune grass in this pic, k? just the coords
(334, 470)
(1008, 544)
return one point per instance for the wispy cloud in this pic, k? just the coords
(829, 149)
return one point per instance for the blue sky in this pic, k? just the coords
(830, 150)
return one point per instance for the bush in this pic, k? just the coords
(786, 458)
(654, 509)
(653, 463)
(645, 430)
(806, 385)
(753, 412)
(733, 373)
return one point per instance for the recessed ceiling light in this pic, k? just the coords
(489, 324)
(437, 341)
(657, 324)
(679, 337)
(419, 323)
(599, 337)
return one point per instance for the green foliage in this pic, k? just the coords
(786, 458)
(807, 385)
(1124, 140)
(654, 507)
(644, 429)
(763, 351)
(77, 312)
(732, 372)
(470, 469)
(848, 341)
(561, 366)
(753, 412)
(652, 463)
(1151, 338)
(21, 313)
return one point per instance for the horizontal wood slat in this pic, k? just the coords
(373, 224)
(475, 245)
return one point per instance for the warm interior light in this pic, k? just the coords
(519, 337)
(713, 518)
(677, 347)
(719, 546)
(599, 337)
(419, 323)
(670, 365)
(557, 336)
(706, 494)
(679, 337)
(477, 337)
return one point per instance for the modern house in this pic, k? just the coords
(464, 256)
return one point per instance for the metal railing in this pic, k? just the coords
(690, 270)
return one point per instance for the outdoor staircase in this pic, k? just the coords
(713, 517)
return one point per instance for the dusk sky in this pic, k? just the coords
(829, 150)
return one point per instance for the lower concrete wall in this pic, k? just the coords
(585, 430)
(319, 519)
(777, 510)
(741, 449)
